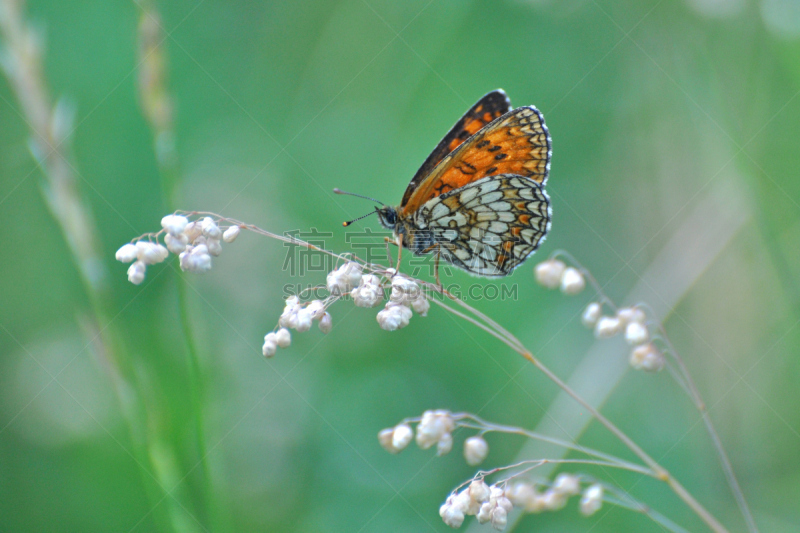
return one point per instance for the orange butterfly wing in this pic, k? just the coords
(488, 108)
(515, 143)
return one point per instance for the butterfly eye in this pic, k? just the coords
(388, 216)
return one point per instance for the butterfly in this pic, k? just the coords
(478, 200)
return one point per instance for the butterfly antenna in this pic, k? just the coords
(345, 224)
(339, 191)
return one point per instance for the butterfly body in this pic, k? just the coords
(478, 200)
(413, 236)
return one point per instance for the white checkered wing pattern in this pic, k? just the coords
(490, 226)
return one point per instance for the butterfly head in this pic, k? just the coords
(387, 216)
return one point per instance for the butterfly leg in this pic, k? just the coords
(387, 240)
(399, 244)
(436, 268)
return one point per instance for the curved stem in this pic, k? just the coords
(606, 458)
(536, 463)
(694, 394)
(625, 500)
(660, 472)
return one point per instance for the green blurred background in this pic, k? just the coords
(675, 134)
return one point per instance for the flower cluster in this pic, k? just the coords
(141, 254)
(300, 316)
(435, 427)
(529, 498)
(275, 339)
(297, 316)
(196, 242)
(553, 273)
(369, 291)
(342, 280)
(487, 504)
(630, 321)
(406, 296)
(366, 289)
(493, 503)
